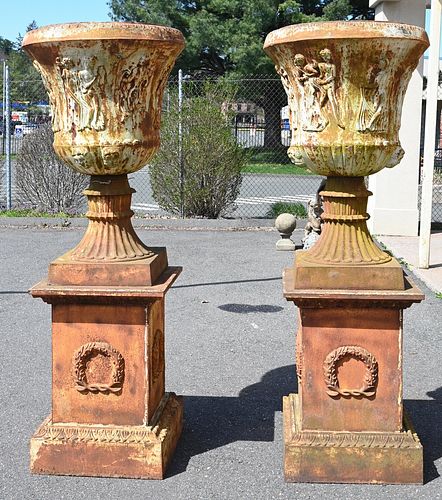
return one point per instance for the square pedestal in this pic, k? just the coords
(110, 413)
(347, 424)
(349, 457)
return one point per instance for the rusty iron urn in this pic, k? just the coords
(345, 84)
(110, 413)
(105, 83)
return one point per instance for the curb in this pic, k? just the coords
(152, 224)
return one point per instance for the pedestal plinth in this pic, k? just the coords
(347, 423)
(110, 413)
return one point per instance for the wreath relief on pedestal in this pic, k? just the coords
(84, 355)
(370, 380)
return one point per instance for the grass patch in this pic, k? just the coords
(275, 155)
(280, 207)
(275, 168)
(439, 295)
(29, 212)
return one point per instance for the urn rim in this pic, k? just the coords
(111, 30)
(350, 30)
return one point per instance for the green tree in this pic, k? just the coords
(25, 81)
(208, 156)
(225, 37)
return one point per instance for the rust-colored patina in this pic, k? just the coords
(105, 83)
(345, 83)
(110, 413)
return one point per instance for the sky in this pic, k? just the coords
(15, 15)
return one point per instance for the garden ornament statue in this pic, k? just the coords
(285, 224)
(345, 84)
(313, 227)
(110, 413)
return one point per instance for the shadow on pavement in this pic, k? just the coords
(426, 416)
(215, 421)
(277, 278)
(250, 308)
(211, 422)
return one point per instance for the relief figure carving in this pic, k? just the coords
(312, 118)
(132, 91)
(83, 84)
(327, 85)
(293, 104)
(314, 99)
(373, 100)
(91, 81)
(65, 65)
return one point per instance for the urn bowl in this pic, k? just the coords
(345, 83)
(105, 83)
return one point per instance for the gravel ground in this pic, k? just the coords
(230, 352)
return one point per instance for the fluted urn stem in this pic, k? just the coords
(110, 236)
(345, 239)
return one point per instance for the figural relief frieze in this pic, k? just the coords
(83, 83)
(106, 112)
(371, 115)
(312, 93)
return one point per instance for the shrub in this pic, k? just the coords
(296, 209)
(211, 158)
(44, 181)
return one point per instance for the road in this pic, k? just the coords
(230, 342)
(258, 192)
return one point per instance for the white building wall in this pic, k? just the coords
(394, 204)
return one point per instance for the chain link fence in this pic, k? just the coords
(258, 120)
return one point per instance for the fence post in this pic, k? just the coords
(180, 140)
(8, 142)
(4, 107)
(430, 132)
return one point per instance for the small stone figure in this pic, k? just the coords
(285, 225)
(312, 230)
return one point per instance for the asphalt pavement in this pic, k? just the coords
(229, 351)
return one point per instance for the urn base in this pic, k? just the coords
(311, 275)
(349, 457)
(140, 452)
